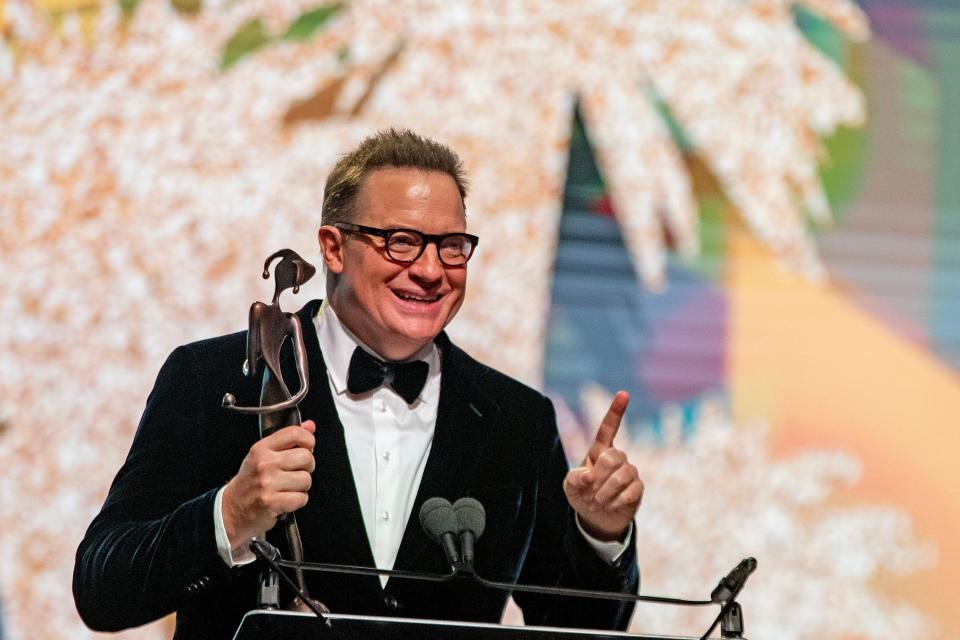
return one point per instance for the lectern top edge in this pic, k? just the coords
(492, 630)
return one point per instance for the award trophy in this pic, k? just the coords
(269, 327)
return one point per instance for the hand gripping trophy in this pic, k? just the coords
(269, 327)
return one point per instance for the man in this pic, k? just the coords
(198, 483)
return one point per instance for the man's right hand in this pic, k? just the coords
(273, 479)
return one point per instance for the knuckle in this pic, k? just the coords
(602, 499)
(261, 502)
(264, 485)
(270, 441)
(292, 459)
(609, 459)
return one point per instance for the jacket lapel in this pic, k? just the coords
(331, 522)
(465, 417)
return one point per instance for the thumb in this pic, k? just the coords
(309, 425)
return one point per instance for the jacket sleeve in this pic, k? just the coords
(560, 556)
(152, 546)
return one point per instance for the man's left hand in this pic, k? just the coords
(605, 490)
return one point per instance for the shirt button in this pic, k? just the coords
(386, 456)
(386, 516)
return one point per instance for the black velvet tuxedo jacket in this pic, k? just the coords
(152, 548)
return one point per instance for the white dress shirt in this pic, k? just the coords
(388, 443)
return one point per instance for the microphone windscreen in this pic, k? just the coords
(437, 518)
(470, 516)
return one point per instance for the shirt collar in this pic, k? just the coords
(337, 344)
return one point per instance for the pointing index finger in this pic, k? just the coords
(611, 421)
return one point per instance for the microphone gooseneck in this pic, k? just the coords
(470, 519)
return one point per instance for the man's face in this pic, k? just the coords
(397, 308)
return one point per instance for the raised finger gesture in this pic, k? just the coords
(605, 490)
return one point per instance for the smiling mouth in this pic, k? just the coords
(409, 297)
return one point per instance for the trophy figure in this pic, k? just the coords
(269, 327)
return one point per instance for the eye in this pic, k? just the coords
(403, 241)
(455, 245)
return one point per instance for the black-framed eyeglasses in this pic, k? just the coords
(407, 245)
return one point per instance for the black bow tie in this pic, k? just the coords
(366, 373)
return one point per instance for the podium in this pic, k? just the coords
(289, 625)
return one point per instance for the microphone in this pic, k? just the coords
(440, 524)
(733, 582)
(471, 520)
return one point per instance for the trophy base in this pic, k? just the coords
(300, 606)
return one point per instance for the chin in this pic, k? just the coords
(419, 333)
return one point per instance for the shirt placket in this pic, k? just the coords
(387, 483)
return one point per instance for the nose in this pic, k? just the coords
(428, 268)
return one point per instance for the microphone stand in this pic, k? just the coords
(268, 554)
(581, 593)
(465, 571)
(730, 617)
(370, 571)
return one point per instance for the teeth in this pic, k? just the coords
(407, 296)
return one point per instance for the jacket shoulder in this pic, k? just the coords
(494, 383)
(208, 347)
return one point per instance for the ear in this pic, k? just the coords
(331, 246)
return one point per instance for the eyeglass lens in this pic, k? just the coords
(406, 246)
